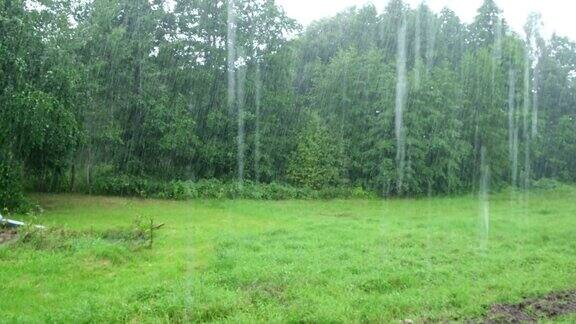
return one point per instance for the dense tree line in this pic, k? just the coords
(92, 90)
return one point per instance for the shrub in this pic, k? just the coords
(11, 193)
(125, 185)
(317, 162)
(547, 184)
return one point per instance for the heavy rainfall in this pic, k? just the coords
(217, 161)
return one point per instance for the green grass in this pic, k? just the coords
(322, 261)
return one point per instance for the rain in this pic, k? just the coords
(238, 161)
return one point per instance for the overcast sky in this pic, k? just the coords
(558, 15)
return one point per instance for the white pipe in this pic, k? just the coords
(13, 223)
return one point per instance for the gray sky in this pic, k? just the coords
(558, 15)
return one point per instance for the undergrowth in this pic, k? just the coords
(132, 238)
(125, 185)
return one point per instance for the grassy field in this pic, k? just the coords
(321, 261)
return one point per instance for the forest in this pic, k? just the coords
(214, 98)
(215, 161)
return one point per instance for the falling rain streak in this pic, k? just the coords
(535, 102)
(430, 42)
(497, 52)
(417, 48)
(241, 97)
(401, 84)
(512, 128)
(483, 198)
(257, 127)
(525, 116)
(231, 55)
(236, 88)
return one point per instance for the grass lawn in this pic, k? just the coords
(312, 261)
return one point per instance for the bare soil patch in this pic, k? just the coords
(7, 235)
(533, 310)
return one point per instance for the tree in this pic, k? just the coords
(316, 162)
(40, 130)
(137, 89)
(435, 144)
(484, 115)
(483, 29)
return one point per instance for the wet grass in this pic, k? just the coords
(323, 261)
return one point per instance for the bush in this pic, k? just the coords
(317, 162)
(11, 193)
(132, 186)
(547, 184)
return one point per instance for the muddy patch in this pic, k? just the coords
(534, 310)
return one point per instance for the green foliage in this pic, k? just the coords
(484, 28)
(352, 93)
(11, 194)
(559, 150)
(316, 162)
(435, 153)
(548, 184)
(113, 244)
(126, 185)
(45, 128)
(141, 91)
(40, 130)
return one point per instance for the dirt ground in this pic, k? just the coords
(533, 310)
(7, 235)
